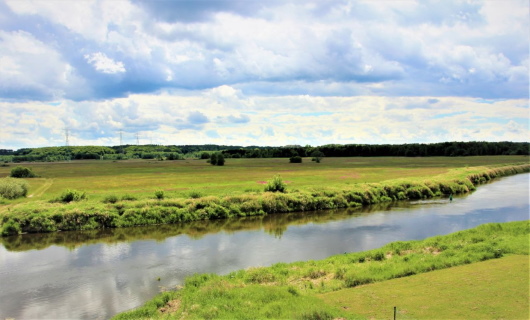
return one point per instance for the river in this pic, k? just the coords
(96, 274)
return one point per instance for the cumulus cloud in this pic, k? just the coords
(334, 71)
(104, 64)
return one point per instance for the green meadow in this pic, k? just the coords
(178, 178)
(95, 194)
(472, 274)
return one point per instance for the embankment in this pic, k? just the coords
(90, 215)
(289, 291)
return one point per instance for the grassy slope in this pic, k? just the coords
(289, 290)
(494, 289)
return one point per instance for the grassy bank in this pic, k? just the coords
(494, 289)
(294, 290)
(124, 211)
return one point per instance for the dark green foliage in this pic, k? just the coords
(22, 172)
(11, 227)
(220, 159)
(110, 199)
(217, 159)
(128, 197)
(70, 195)
(195, 194)
(159, 194)
(317, 156)
(275, 185)
(11, 188)
(295, 159)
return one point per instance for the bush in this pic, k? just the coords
(159, 194)
(70, 195)
(295, 159)
(13, 188)
(317, 156)
(276, 185)
(195, 194)
(217, 159)
(22, 172)
(10, 228)
(128, 197)
(110, 199)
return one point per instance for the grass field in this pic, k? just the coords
(428, 283)
(123, 194)
(494, 289)
(178, 178)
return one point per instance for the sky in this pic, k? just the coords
(267, 73)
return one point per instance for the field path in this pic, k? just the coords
(40, 191)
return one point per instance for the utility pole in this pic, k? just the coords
(121, 141)
(67, 142)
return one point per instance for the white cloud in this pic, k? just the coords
(319, 72)
(104, 64)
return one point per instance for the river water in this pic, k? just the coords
(96, 274)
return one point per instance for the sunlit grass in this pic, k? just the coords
(494, 289)
(288, 290)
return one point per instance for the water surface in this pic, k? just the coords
(96, 274)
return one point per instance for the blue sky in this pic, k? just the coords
(263, 72)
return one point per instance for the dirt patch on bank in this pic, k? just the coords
(170, 307)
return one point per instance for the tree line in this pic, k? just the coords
(174, 152)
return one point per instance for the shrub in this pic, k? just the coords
(128, 197)
(70, 195)
(295, 159)
(13, 188)
(275, 185)
(213, 159)
(110, 199)
(10, 228)
(217, 158)
(159, 194)
(22, 172)
(195, 194)
(317, 156)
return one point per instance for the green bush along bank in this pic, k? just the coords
(288, 290)
(87, 215)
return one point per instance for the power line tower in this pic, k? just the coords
(121, 141)
(137, 139)
(66, 136)
(67, 143)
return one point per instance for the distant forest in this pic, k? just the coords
(174, 152)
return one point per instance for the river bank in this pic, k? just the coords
(50, 274)
(86, 215)
(289, 290)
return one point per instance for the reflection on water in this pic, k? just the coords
(272, 224)
(95, 274)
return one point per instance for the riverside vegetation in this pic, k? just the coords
(223, 194)
(295, 290)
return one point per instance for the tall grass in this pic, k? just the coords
(94, 215)
(289, 289)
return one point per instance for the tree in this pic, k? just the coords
(295, 159)
(22, 172)
(218, 159)
(317, 156)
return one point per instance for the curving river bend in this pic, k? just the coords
(96, 274)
